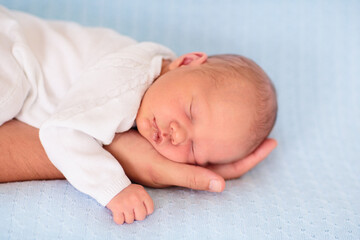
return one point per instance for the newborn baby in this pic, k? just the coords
(207, 110)
(214, 110)
(82, 85)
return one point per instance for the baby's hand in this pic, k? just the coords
(132, 203)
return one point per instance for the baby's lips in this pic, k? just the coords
(156, 134)
(156, 137)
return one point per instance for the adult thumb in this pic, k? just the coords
(189, 176)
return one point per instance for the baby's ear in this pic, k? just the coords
(189, 59)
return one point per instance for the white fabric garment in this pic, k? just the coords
(80, 86)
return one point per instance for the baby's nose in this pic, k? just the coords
(177, 133)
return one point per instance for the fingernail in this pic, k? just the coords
(215, 186)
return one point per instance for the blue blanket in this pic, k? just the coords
(308, 188)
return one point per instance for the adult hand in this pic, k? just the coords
(144, 165)
(242, 166)
(23, 158)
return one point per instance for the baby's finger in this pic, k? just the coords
(149, 205)
(119, 218)
(140, 212)
(129, 216)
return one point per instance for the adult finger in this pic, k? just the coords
(189, 176)
(240, 167)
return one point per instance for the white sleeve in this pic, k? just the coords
(84, 163)
(74, 135)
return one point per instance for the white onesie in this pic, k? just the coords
(80, 86)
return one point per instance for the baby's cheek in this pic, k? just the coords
(174, 153)
(143, 126)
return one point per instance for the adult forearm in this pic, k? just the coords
(22, 156)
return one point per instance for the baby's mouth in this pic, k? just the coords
(156, 133)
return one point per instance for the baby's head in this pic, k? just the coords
(203, 109)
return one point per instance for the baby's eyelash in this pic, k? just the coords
(192, 148)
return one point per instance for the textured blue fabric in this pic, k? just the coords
(309, 188)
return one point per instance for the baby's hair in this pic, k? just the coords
(235, 67)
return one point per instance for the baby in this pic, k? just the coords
(82, 85)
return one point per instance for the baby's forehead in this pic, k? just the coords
(230, 90)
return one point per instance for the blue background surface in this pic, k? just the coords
(308, 188)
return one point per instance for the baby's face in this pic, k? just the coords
(189, 120)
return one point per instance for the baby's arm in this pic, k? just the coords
(84, 162)
(94, 171)
(98, 104)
